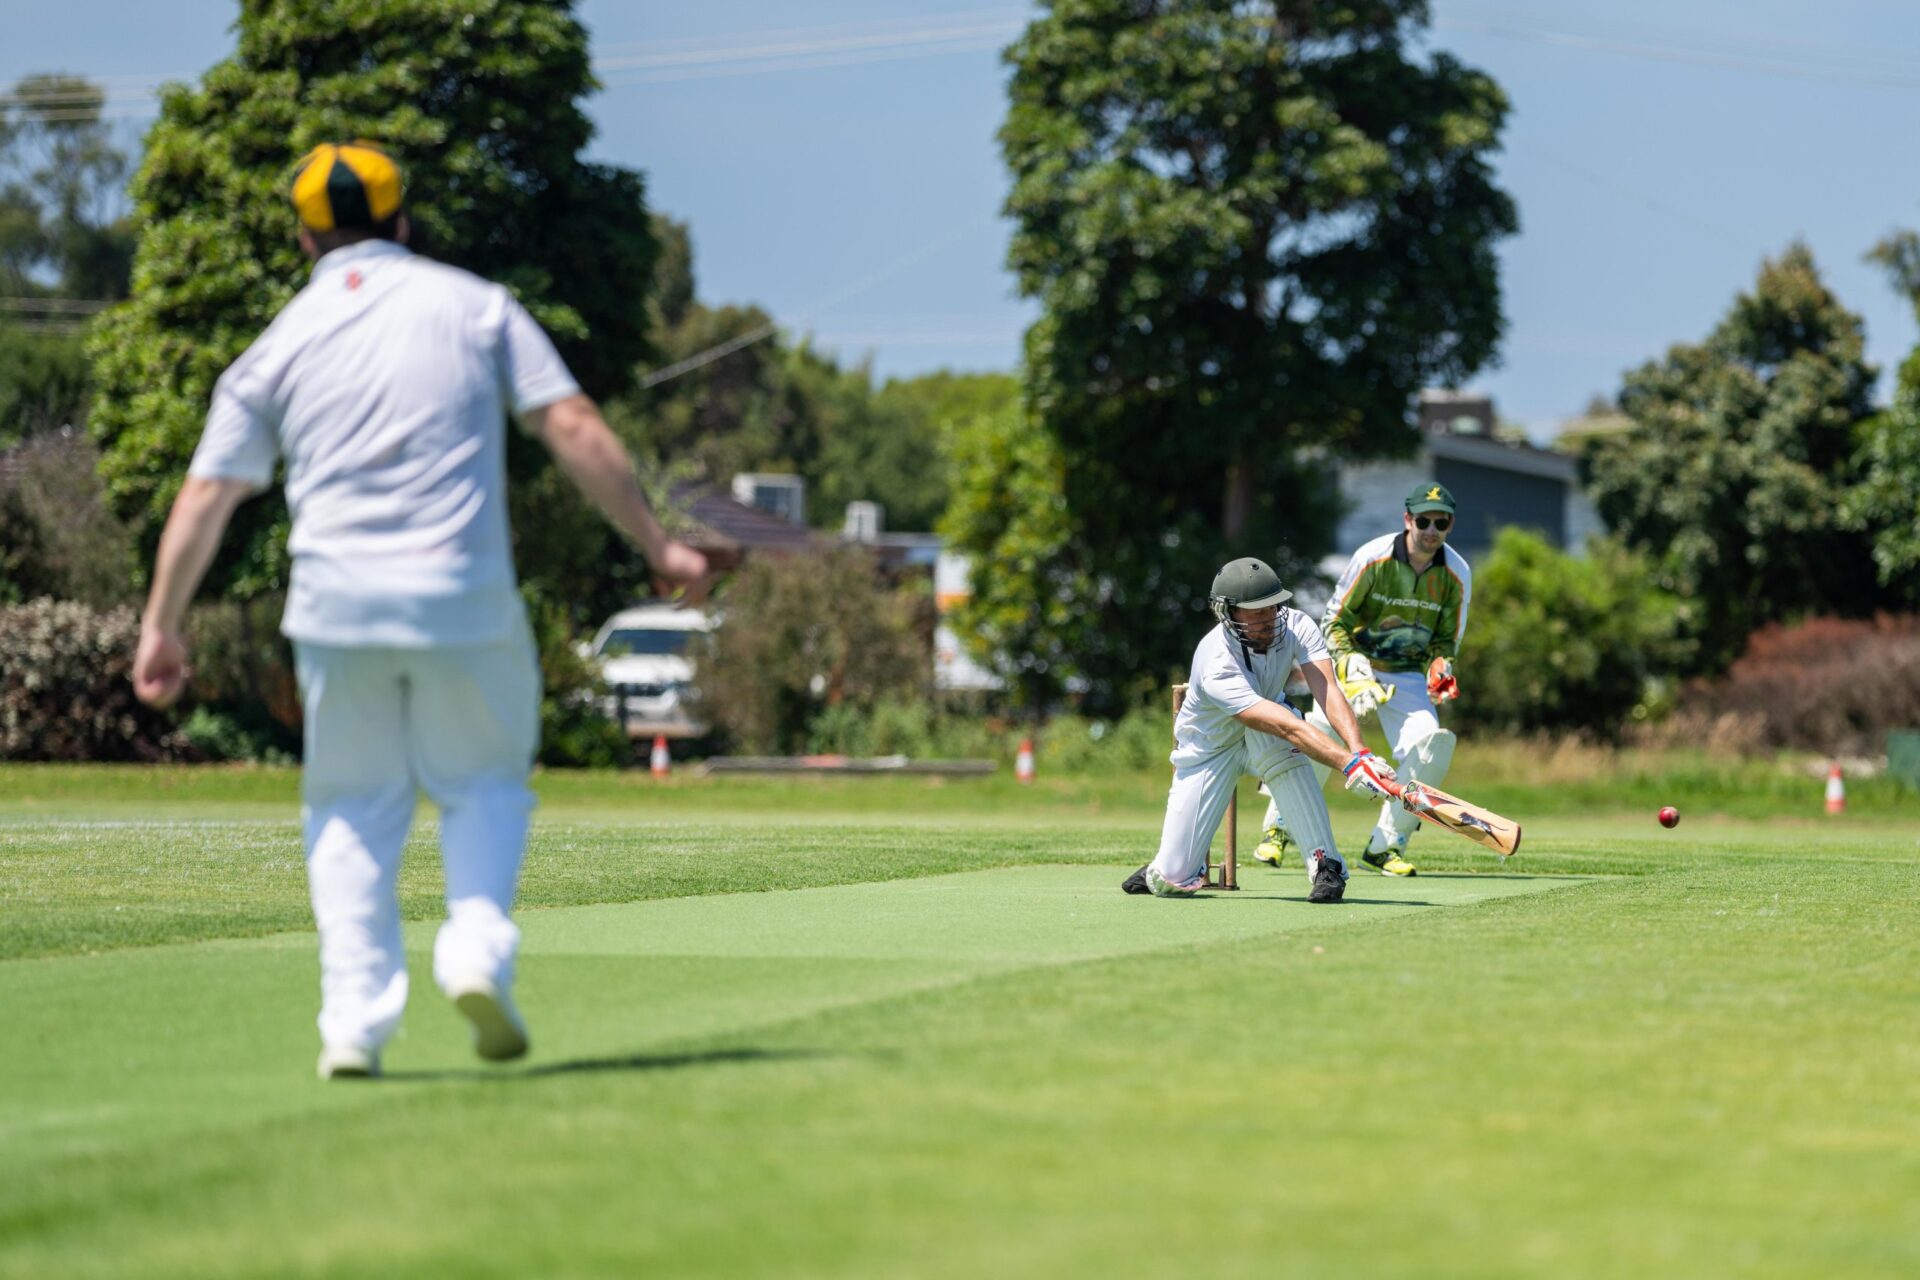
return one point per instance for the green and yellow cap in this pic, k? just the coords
(1429, 497)
(344, 185)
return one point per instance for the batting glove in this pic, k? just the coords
(1369, 775)
(1364, 692)
(1441, 686)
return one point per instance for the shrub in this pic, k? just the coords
(809, 634)
(235, 734)
(574, 733)
(1832, 685)
(922, 730)
(65, 692)
(57, 536)
(1562, 643)
(1139, 740)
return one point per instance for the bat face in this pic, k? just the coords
(1482, 826)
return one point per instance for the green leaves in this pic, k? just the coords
(1742, 449)
(479, 100)
(1561, 642)
(1255, 229)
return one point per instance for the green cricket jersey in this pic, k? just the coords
(1400, 619)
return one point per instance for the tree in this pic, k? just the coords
(57, 537)
(43, 382)
(64, 227)
(1023, 619)
(479, 100)
(1741, 448)
(1254, 228)
(1899, 254)
(809, 633)
(66, 242)
(1883, 504)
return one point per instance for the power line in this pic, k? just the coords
(843, 44)
(1843, 65)
(827, 303)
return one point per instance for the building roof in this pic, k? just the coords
(1519, 456)
(726, 529)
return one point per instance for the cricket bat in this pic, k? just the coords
(1482, 826)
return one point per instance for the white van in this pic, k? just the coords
(645, 658)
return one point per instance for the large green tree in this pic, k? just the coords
(64, 226)
(1255, 228)
(480, 101)
(1741, 450)
(1884, 504)
(66, 242)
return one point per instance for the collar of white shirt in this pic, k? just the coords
(348, 255)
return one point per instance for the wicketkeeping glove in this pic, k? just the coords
(1441, 686)
(1369, 775)
(1364, 692)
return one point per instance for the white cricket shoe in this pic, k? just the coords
(348, 1064)
(499, 1033)
(1161, 887)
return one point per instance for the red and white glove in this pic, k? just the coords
(1369, 775)
(1441, 686)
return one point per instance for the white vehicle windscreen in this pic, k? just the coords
(629, 641)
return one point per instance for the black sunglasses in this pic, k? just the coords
(1442, 523)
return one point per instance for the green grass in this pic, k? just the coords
(887, 1027)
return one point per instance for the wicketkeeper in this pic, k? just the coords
(1395, 623)
(1235, 721)
(385, 387)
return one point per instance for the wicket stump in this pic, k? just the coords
(1226, 873)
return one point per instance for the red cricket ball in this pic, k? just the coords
(1669, 817)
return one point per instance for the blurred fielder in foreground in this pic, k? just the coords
(1235, 720)
(385, 385)
(1395, 624)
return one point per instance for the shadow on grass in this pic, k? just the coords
(1506, 875)
(1242, 895)
(626, 1062)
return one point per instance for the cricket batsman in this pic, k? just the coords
(1395, 623)
(1235, 720)
(385, 387)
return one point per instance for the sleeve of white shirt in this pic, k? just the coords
(1226, 682)
(533, 371)
(1308, 637)
(239, 441)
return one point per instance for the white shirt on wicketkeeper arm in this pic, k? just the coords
(385, 384)
(1227, 678)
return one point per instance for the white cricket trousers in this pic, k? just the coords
(1409, 721)
(460, 724)
(1197, 801)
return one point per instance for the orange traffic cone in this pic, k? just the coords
(1023, 762)
(1836, 789)
(662, 760)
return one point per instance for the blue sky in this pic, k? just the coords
(837, 159)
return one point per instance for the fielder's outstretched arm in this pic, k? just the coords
(194, 526)
(597, 463)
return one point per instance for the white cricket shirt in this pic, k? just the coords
(1227, 678)
(385, 384)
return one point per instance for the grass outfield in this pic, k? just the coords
(888, 1027)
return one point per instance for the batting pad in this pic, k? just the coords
(1303, 807)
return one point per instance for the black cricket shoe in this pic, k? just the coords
(1328, 885)
(1137, 882)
